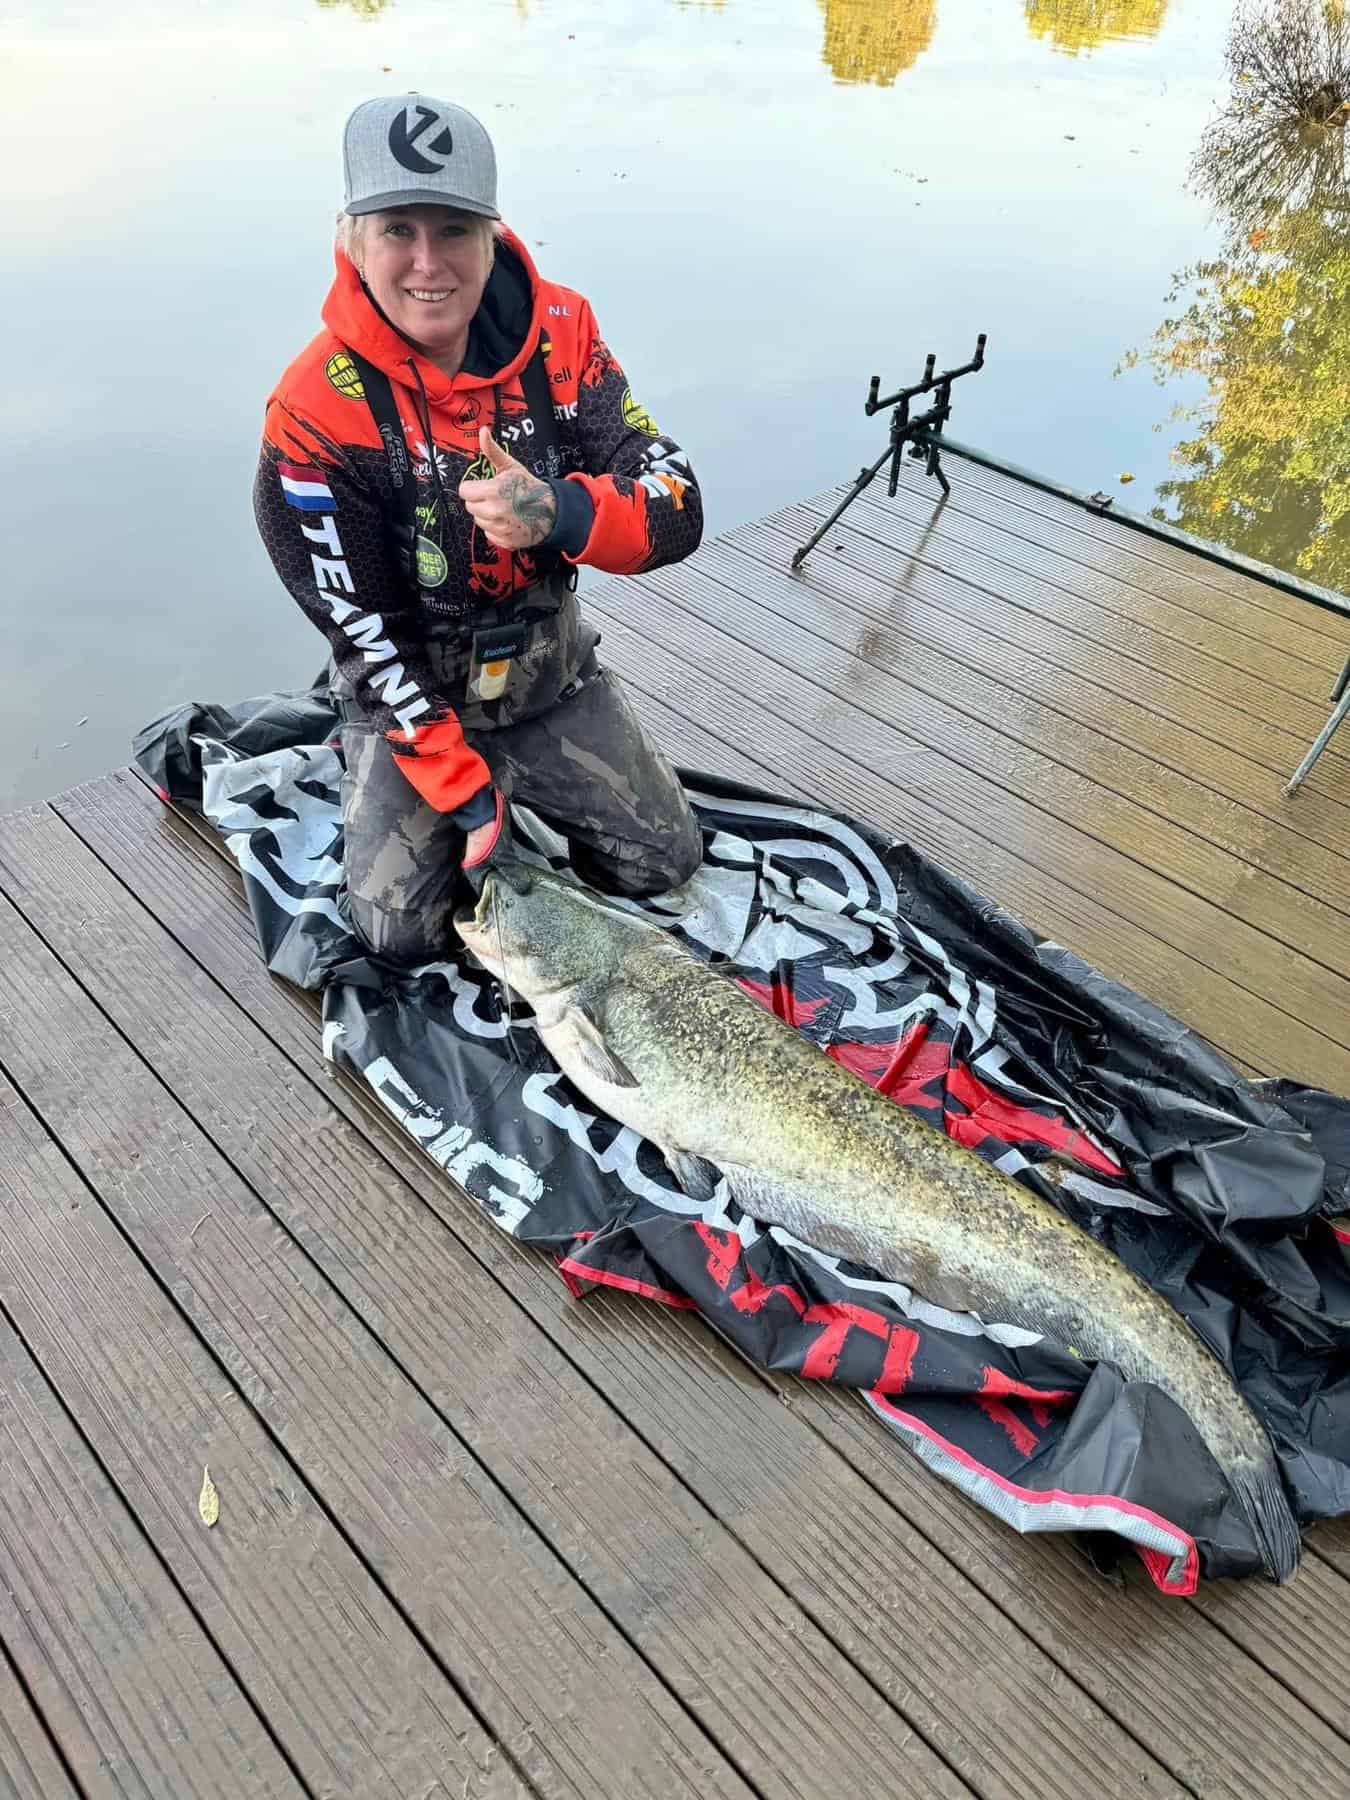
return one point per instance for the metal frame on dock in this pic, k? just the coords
(1104, 505)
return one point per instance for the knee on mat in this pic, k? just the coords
(655, 872)
(403, 937)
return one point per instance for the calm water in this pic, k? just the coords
(767, 201)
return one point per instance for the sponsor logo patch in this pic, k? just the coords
(432, 567)
(636, 417)
(343, 374)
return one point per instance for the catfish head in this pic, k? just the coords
(556, 945)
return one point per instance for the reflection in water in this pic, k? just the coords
(1267, 324)
(1074, 25)
(875, 40)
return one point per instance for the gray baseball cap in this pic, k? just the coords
(407, 148)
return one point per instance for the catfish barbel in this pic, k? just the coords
(668, 1046)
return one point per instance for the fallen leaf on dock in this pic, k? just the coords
(208, 1503)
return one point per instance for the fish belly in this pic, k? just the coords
(827, 1221)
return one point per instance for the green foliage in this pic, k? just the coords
(1267, 324)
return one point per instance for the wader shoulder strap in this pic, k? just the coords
(542, 450)
(379, 394)
(545, 450)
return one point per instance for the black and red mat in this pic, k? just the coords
(1217, 1190)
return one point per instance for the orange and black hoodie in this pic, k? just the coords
(325, 504)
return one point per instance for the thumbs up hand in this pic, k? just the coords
(514, 510)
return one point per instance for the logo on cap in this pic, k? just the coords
(402, 141)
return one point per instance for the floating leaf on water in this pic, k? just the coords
(1127, 476)
(208, 1502)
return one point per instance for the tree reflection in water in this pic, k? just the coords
(1267, 323)
(1077, 25)
(875, 40)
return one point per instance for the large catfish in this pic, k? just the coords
(667, 1045)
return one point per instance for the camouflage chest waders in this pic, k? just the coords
(561, 738)
(557, 732)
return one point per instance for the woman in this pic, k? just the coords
(435, 466)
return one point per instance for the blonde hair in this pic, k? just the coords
(351, 233)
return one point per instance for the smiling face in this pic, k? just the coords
(426, 267)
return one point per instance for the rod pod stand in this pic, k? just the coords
(922, 435)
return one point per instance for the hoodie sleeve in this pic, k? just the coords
(324, 532)
(644, 497)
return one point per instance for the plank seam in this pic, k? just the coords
(276, 1442)
(1178, 672)
(867, 613)
(124, 1502)
(1292, 823)
(21, 1681)
(211, 842)
(968, 709)
(490, 1474)
(1141, 546)
(1337, 1725)
(793, 669)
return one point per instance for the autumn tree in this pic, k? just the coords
(1266, 325)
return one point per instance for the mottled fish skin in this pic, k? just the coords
(677, 1051)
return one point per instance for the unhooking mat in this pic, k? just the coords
(1219, 1191)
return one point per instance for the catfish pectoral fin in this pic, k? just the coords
(697, 1177)
(599, 1059)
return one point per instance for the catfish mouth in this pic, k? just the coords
(475, 916)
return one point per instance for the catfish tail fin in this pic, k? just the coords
(1261, 1491)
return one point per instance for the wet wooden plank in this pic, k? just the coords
(134, 1690)
(847, 608)
(1243, 1026)
(1221, 983)
(1173, 1670)
(702, 1609)
(548, 1440)
(1224, 751)
(853, 787)
(567, 1695)
(1049, 591)
(1166, 1677)
(29, 1766)
(1227, 599)
(1297, 947)
(993, 594)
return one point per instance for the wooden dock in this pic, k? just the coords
(525, 1545)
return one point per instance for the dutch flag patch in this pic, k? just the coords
(305, 488)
